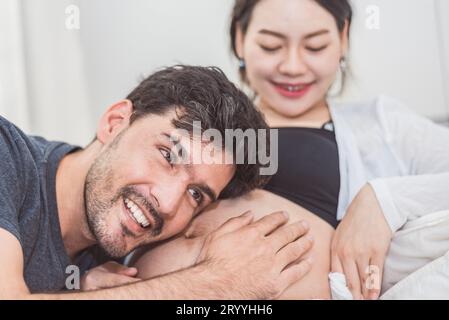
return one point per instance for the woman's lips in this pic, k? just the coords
(292, 91)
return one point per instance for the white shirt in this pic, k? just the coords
(403, 156)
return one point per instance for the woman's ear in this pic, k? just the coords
(114, 120)
(239, 40)
(344, 38)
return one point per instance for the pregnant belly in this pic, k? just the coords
(182, 251)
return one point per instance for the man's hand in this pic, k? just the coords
(257, 260)
(108, 275)
(360, 245)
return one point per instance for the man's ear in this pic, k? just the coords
(114, 120)
(239, 40)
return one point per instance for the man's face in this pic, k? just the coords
(134, 195)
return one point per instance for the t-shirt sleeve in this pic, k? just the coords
(10, 181)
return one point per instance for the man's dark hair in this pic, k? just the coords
(203, 94)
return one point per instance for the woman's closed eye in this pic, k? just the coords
(270, 49)
(316, 48)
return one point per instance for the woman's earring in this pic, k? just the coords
(242, 64)
(343, 64)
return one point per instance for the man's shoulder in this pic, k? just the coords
(22, 147)
(4, 121)
(10, 134)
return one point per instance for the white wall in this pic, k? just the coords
(442, 12)
(70, 77)
(403, 58)
(123, 42)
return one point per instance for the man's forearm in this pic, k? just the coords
(197, 282)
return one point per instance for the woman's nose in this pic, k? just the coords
(293, 64)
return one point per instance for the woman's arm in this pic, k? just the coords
(422, 149)
(361, 242)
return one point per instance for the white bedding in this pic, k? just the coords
(417, 264)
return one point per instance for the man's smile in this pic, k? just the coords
(136, 213)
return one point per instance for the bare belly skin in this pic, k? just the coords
(182, 252)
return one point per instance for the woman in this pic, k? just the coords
(377, 168)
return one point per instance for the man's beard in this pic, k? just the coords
(99, 202)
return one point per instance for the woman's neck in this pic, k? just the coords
(314, 117)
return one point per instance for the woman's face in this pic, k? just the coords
(292, 50)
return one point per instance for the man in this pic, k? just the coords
(126, 189)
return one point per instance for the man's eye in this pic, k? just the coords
(196, 195)
(167, 155)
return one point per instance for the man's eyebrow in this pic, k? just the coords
(208, 191)
(175, 142)
(282, 36)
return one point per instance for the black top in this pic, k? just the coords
(308, 170)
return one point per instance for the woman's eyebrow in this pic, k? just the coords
(316, 33)
(282, 36)
(272, 33)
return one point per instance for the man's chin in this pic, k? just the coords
(114, 250)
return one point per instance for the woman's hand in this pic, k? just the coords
(360, 245)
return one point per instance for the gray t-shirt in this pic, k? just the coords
(28, 207)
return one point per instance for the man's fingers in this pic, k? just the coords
(129, 271)
(235, 223)
(271, 222)
(97, 279)
(352, 277)
(295, 250)
(115, 280)
(118, 268)
(295, 272)
(287, 234)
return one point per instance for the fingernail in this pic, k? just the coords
(305, 224)
(285, 213)
(372, 296)
(132, 270)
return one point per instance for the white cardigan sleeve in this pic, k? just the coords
(421, 147)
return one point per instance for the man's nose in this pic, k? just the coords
(169, 195)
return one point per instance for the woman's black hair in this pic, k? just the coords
(242, 12)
